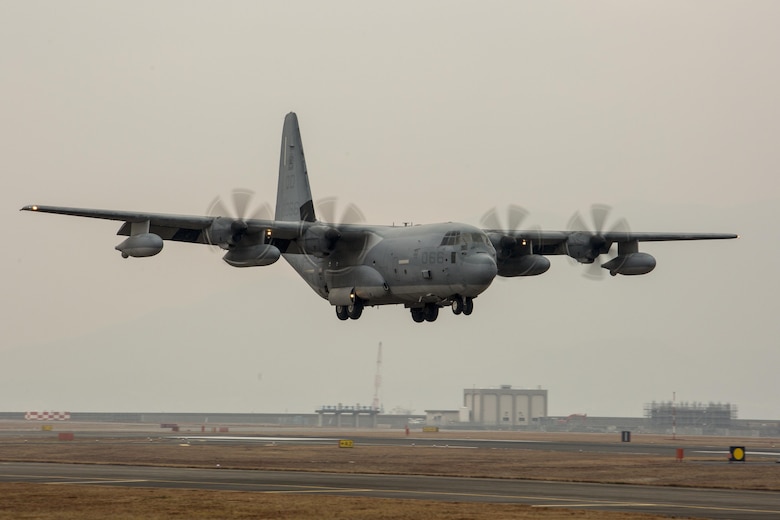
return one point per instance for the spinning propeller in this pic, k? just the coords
(586, 243)
(514, 254)
(239, 208)
(327, 211)
(501, 230)
(330, 237)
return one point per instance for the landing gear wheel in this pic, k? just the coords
(341, 312)
(430, 312)
(468, 306)
(457, 304)
(417, 315)
(355, 310)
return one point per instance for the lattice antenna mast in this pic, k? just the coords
(378, 380)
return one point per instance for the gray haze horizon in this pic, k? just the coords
(416, 112)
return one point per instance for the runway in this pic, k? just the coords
(691, 502)
(714, 447)
(717, 451)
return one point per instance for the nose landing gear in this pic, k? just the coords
(461, 305)
(457, 304)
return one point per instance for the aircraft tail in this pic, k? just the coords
(293, 195)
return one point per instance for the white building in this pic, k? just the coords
(505, 406)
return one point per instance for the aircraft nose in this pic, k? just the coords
(480, 269)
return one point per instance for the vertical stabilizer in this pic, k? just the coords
(293, 195)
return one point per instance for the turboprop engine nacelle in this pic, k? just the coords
(630, 264)
(141, 245)
(525, 265)
(252, 256)
(225, 232)
(320, 240)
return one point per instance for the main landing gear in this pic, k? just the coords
(352, 311)
(430, 311)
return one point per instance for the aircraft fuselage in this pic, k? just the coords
(410, 265)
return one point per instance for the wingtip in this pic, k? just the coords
(30, 207)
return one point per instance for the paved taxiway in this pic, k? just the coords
(691, 502)
(718, 451)
(715, 447)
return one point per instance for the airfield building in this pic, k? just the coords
(505, 406)
(711, 416)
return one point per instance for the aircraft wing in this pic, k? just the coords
(247, 242)
(665, 237)
(521, 253)
(549, 238)
(180, 228)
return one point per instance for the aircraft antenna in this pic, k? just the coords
(378, 380)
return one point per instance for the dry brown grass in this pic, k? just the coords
(23, 501)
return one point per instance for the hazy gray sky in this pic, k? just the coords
(416, 111)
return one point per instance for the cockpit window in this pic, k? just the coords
(451, 238)
(474, 239)
(464, 240)
(479, 239)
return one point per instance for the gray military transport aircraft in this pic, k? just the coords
(423, 267)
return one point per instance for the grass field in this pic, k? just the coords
(28, 501)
